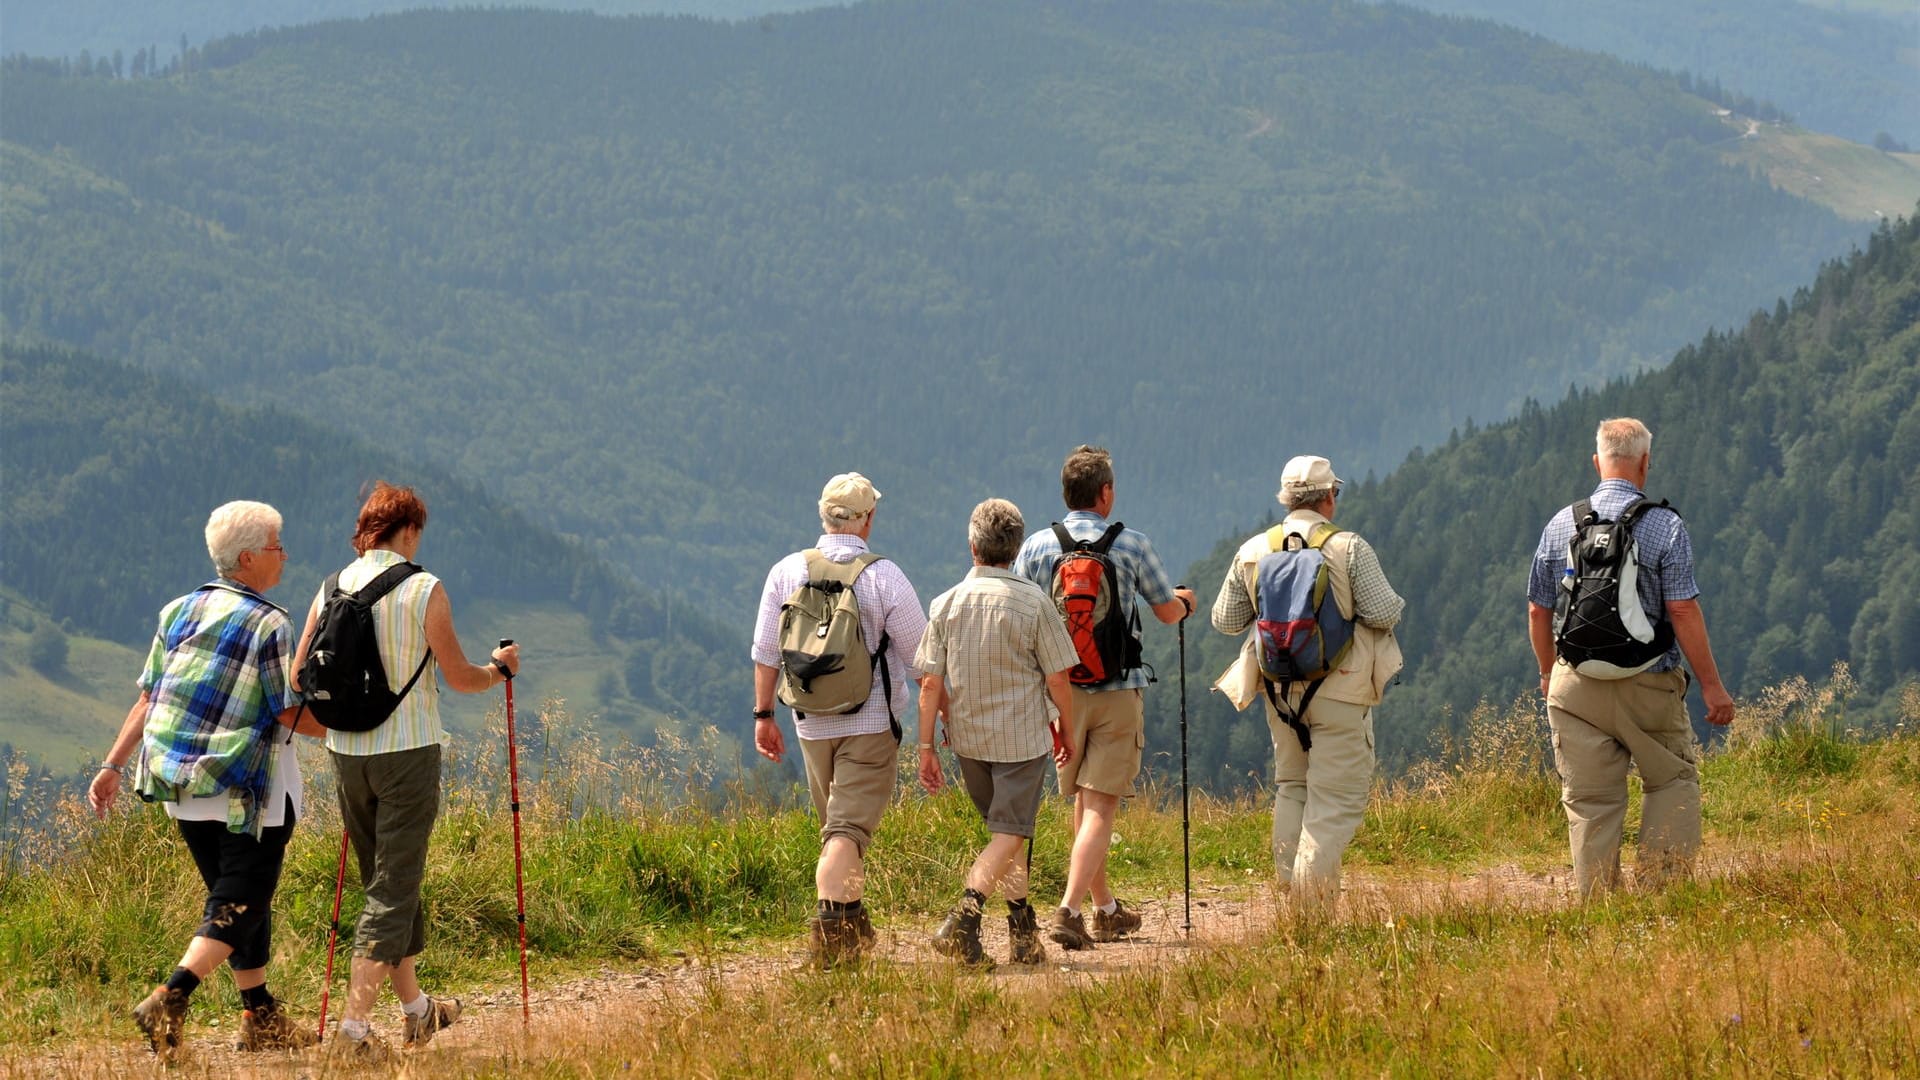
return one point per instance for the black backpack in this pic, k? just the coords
(342, 679)
(1598, 625)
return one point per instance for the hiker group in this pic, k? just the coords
(1032, 664)
(224, 691)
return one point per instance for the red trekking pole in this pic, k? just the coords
(519, 878)
(333, 933)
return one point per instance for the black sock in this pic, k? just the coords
(848, 906)
(1014, 906)
(256, 998)
(184, 981)
(979, 898)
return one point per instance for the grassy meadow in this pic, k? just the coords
(1793, 952)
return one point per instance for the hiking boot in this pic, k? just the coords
(1122, 922)
(368, 1050)
(863, 928)
(959, 936)
(1069, 931)
(834, 939)
(160, 1017)
(1023, 933)
(418, 1030)
(270, 1028)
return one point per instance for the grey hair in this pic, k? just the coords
(1302, 498)
(995, 530)
(839, 519)
(1622, 439)
(236, 527)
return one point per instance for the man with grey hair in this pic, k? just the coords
(1320, 795)
(1601, 724)
(994, 653)
(206, 741)
(850, 757)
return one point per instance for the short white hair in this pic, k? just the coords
(839, 519)
(995, 530)
(236, 527)
(1622, 439)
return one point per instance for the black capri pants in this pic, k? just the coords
(241, 874)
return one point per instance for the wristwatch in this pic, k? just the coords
(763, 714)
(501, 667)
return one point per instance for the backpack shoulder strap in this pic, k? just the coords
(1105, 543)
(1640, 506)
(389, 579)
(821, 568)
(1067, 542)
(332, 586)
(1322, 533)
(1583, 514)
(1277, 537)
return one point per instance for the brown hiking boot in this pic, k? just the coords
(1122, 922)
(1023, 933)
(834, 939)
(959, 936)
(370, 1049)
(270, 1028)
(418, 1030)
(863, 928)
(160, 1016)
(1069, 931)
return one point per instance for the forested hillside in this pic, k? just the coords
(110, 474)
(1791, 447)
(1835, 67)
(654, 279)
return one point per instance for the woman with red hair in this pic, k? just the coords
(389, 776)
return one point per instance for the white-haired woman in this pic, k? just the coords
(208, 739)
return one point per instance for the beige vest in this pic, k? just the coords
(1374, 659)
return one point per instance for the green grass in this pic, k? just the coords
(1792, 955)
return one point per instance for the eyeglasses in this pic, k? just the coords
(275, 547)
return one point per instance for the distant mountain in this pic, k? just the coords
(106, 28)
(655, 279)
(111, 472)
(1837, 68)
(1791, 447)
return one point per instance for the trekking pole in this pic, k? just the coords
(333, 933)
(1186, 835)
(519, 878)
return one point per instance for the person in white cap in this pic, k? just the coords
(851, 757)
(1320, 795)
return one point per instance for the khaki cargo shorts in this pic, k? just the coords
(1109, 735)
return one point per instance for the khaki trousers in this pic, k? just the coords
(851, 781)
(1600, 726)
(1320, 797)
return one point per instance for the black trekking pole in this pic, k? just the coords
(1186, 833)
(333, 933)
(519, 878)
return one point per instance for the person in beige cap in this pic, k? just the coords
(1320, 795)
(850, 757)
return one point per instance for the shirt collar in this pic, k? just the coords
(992, 572)
(1615, 483)
(1084, 515)
(841, 542)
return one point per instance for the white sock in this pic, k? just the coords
(1110, 906)
(1072, 912)
(417, 1007)
(353, 1029)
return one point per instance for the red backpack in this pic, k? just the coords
(1087, 591)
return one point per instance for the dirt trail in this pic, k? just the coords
(492, 1024)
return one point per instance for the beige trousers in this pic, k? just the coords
(1599, 727)
(1320, 797)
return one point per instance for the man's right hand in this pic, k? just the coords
(768, 740)
(510, 656)
(1719, 704)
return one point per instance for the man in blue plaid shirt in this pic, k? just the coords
(1109, 718)
(1601, 725)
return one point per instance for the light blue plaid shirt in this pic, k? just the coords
(1135, 566)
(1661, 547)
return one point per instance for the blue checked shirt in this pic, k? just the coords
(217, 676)
(1135, 565)
(1661, 547)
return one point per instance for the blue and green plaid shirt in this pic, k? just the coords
(217, 676)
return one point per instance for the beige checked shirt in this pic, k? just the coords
(994, 638)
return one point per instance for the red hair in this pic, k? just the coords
(387, 510)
